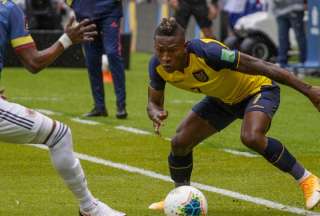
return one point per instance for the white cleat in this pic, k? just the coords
(101, 209)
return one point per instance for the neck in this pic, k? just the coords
(185, 62)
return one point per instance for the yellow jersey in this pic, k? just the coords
(212, 71)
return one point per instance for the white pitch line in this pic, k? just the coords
(38, 98)
(48, 112)
(84, 121)
(223, 192)
(132, 130)
(240, 153)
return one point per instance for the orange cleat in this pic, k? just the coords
(311, 191)
(159, 206)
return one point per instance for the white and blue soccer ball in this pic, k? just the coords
(185, 201)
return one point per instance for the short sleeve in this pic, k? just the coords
(216, 54)
(156, 81)
(18, 33)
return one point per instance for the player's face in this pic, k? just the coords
(170, 51)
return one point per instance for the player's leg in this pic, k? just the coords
(59, 140)
(191, 132)
(201, 14)
(256, 122)
(207, 117)
(20, 125)
(93, 56)
(111, 43)
(182, 14)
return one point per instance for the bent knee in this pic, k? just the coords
(179, 146)
(252, 139)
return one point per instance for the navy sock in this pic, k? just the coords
(280, 157)
(180, 168)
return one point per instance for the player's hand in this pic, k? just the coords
(158, 117)
(314, 96)
(84, 31)
(213, 11)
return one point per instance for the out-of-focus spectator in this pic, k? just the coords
(289, 14)
(46, 14)
(239, 8)
(202, 11)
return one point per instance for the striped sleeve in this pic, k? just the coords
(19, 35)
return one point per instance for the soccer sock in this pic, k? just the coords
(180, 168)
(69, 168)
(280, 157)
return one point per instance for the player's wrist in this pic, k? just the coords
(65, 41)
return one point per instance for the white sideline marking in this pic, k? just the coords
(84, 121)
(48, 112)
(38, 98)
(223, 192)
(240, 153)
(132, 130)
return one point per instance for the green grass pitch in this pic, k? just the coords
(30, 186)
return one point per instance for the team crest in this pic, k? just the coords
(201, 76)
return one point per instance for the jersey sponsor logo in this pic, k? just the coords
(228, 55)
(201, 76)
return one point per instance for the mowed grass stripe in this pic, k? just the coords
(221, 191)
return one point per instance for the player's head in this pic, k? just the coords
(169, 44)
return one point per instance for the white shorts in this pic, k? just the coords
(19, 124)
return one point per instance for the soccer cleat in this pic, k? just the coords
(101, 209)
(311, 191)
(157, 206)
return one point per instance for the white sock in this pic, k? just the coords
(305, 175)
(69, 167)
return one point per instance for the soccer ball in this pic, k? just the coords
(185, 201)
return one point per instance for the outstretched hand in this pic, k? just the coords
(314, 96)
(84, 31)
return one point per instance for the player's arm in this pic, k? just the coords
(251, 65)
(155, 107)
(35, 60)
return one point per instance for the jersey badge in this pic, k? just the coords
(201, 76)
(228, 55)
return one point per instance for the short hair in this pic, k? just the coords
(169, 27)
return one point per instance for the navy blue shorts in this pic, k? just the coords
(220, 115)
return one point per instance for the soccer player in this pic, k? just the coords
(19, 124)
(235, 86)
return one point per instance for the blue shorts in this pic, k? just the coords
(220, 115)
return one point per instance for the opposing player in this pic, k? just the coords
(235, 85)
(19, 124)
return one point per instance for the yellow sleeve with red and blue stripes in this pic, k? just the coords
(19, 35)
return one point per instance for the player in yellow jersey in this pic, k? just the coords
(235, 86)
